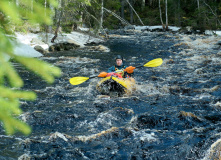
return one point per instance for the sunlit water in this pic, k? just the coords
(174, 114)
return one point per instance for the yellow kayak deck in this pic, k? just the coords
(114, 84)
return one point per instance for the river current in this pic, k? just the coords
(175, 113)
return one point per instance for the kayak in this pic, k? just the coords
(116, 85)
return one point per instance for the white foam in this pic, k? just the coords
(143, 136)
(25, 50)
(173, 28)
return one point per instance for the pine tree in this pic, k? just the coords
(12, 12)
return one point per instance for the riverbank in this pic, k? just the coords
(43, 41)
(35, 45)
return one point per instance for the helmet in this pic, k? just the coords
(119, 57)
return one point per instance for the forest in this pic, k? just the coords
(115, 14)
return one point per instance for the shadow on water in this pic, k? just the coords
(174, 114)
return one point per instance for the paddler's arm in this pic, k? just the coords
(129, 71)
(111, 69)
(103, 74)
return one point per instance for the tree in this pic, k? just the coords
(166, 15)
(11, 13)
(161, 19)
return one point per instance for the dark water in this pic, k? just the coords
(174, 114)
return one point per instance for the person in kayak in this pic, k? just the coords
(119, 69)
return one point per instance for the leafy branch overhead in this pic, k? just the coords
(12, 13)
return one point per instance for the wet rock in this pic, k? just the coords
(215, 88)
(218, 104)
(170, 61)
(40, 49)
(63, 46)
(95, 136)
(215, 151)
(129, 27)
(74, 43)
(219, 53)
(187, 30)
(103, 96)
(100, 48)
(51, 48)
(58, 135)
(187, 114)
(157, 30)
(151, 121)
(216, 47)
(199, 71)
(218, 43)
(25, 157)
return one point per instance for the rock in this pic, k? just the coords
(103, 96)
(35, 29)
(51, 49)
(69, 45)
(129, 27)
(157, 30)
(218, 104)
(218, 43)
(215, 88)
(100, 48)
(74, 43)
(40, 49)
(37, 41)
(215, 149)
(58, 135)
(184, 114)
(219, 53)
(24, 157)
(216, 47)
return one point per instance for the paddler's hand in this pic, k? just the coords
(129, 69)
(102, 74)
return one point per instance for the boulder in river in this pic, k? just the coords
(215, 151)
(101, 48)
(40, 49)
(63, 46)
(37, 41)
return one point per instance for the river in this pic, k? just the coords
(175, 113)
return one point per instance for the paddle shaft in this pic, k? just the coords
(93, 77)
(139, 66)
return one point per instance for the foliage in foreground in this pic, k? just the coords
(10, 81)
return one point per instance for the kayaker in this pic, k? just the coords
(119, 68)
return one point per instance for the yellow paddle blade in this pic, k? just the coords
(154, 63)
(78, 80)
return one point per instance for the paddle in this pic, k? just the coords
(153, 63)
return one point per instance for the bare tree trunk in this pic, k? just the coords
(198, 4)
(179, 17)
(131, 12)
(58, 23)
(166, 15)
(161, 19)
(17, 2)
(143, 4)
(31, 6)
(212, 12)
(134, 12)
(122, 8)
(46, 26)
(102, 13)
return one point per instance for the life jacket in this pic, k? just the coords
(120, 71)
(114, 74)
